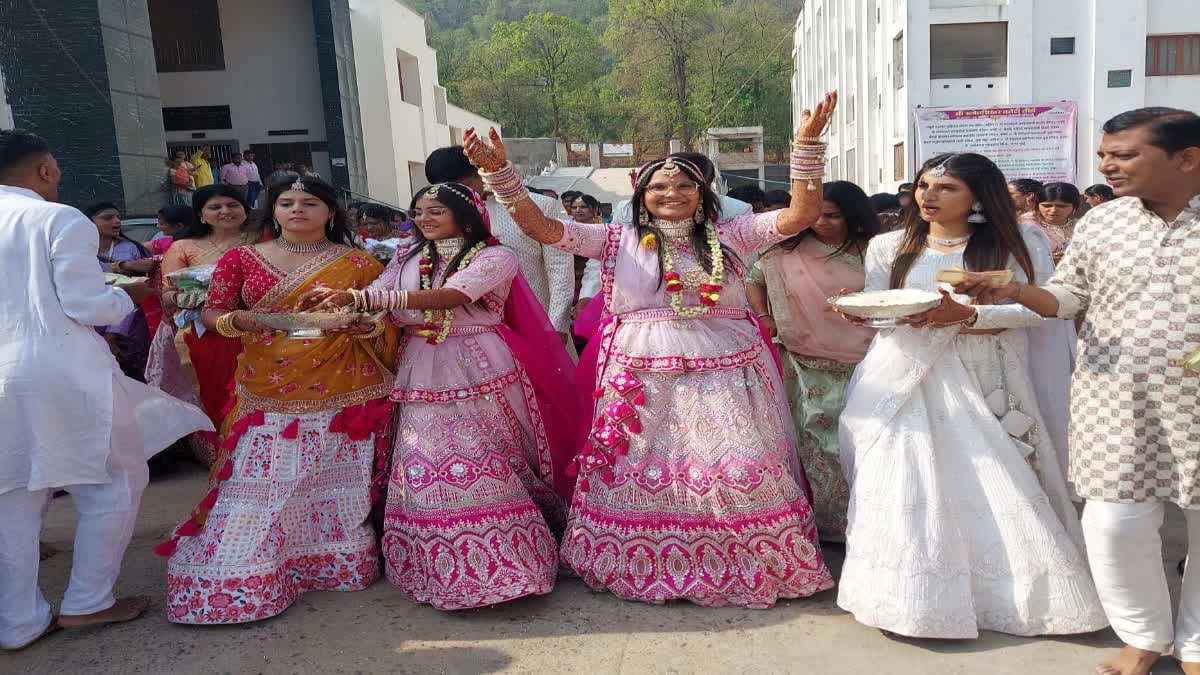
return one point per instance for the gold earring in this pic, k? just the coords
(644, 216)
(700, 215)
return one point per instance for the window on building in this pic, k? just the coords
(1064, 45)
(1173, 54)
(834, 167)
(966, 50)
(898, 60)
(850, 109)
(187, 35)
(409, 70)
(851, 166)
(899, 170)
(1119, 79)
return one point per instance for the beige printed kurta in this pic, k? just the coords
(549, 271)
(1135, 422)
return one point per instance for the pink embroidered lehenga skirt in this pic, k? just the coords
(466, 518)
(690, 488)
(293, 517)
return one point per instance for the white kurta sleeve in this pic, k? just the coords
(78, 281)
(1018, 316)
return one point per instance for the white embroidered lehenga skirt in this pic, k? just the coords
(959, 517)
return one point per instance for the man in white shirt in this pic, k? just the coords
(549, 271)
(254, 178)
(72, 421)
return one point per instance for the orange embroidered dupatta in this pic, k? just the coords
(285, 375)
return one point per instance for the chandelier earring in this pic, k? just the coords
(643, 216)
(976, 216)
(699, 217)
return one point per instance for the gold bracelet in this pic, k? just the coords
(374, 333)
(227, 328)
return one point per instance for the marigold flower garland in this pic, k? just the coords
(433, 331)
(710, 293)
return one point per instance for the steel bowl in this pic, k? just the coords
(898, 303)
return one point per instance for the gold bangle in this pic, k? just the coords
(374, 333)
(226, 326)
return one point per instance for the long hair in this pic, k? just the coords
(456, 197)
(711, 207)
(992, 242)
(861, 221)
(200, 229)
(96, 207)
(338, 231)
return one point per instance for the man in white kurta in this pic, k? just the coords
(1133, 267)
(70, 419)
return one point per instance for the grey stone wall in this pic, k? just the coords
(81, 74)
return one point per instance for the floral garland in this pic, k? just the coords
(437, 323)
(710, 293)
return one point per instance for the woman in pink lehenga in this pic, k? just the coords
(487, 414)
(690, 485)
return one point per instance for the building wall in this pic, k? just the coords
(882, 111)
(271, 78)
(74, 114)
(391, 46)
(6, 119)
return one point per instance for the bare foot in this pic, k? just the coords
(46, 551)
(126, 609)
(1190, 667)
(1129, 661)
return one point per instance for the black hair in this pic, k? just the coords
(992, 242)
(701, 161)
(748, 194)
(550, 193)
(96, 207)
(861, 221)
(710, 208)
(570, 195)
(200, 229)
(178, 214)
(1171, 129)
(456, 197)
(338, 231)
(884, 201)
(18, 146)
(1100, 190)
(1060, 192)
(591, 201)
(905, 187)
(1026, 186)
(376, 211)
(448, 165)
(778, 197)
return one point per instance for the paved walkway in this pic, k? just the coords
(574, 630)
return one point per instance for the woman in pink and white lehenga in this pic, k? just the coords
(689, 486)
(487, 414)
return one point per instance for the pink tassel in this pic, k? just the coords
(598, 394)
(599, 422)
(338, 423)
(167, 548)
(209, 501)
(607, 475)
(226, 471)
(584, 486)
(622, 448)
(190, 528)
(291, 431)
(640, 398)
(572, 470)
(635, 426)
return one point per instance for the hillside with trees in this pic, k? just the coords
(607, 70)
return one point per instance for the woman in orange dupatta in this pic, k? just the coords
(307, 436)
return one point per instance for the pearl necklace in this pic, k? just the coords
(948, 243)
(303, 247)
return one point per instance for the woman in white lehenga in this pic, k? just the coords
(960, 517)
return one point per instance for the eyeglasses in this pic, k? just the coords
(685, 188)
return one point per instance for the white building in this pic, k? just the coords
(887, 57)
(400, 98)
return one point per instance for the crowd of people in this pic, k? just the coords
(683, 416)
